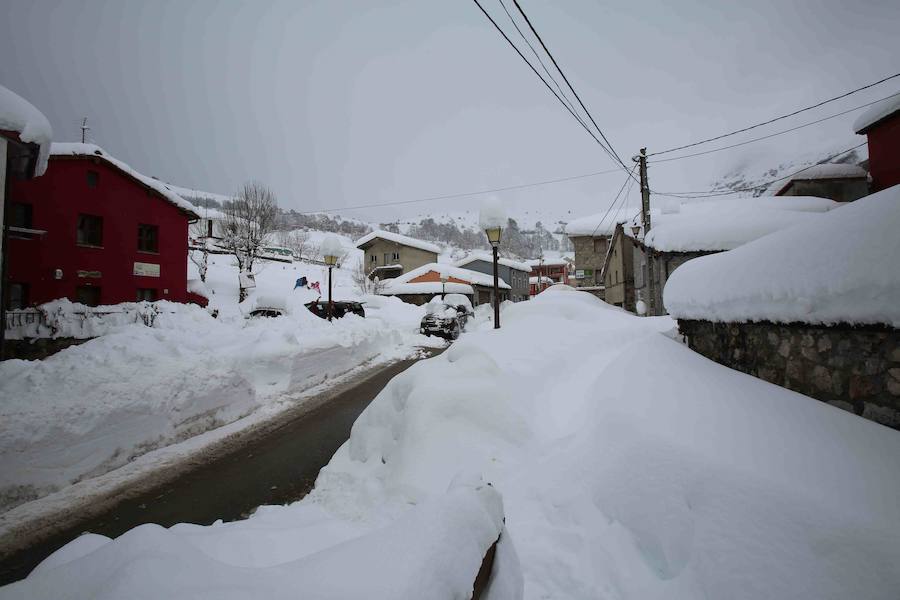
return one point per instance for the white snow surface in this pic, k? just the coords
(726, 224)
(398, 238)
(484, 256)
(600, 224)
(492, 213)
(640, 471)
(843, 267)
(876, 113)
(93, 408)
(94, 151)
(448, 270)
(19, 115)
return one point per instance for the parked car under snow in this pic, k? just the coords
(340, 308)
(446, 317)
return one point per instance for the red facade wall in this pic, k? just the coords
(884, 153)
(558, 273)
(57, 198)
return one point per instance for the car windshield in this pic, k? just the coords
(439, 309)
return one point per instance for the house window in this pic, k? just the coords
(88, 295)
(373, 258)
(209, 228)
(148, 238)
(90, 230)
(93, 179)
(396, 256)
(17, 296)
(146, 294)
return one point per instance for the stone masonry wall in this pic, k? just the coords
(854, 368)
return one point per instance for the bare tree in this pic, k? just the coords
(249, 219)
(363, 282)
(200, 258)
(296, 241)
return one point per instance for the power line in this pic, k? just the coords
(628, 181)
(796, 112)
(552, 91)
(712, 193)
(464, 194)
(777, 133)
(566, 79)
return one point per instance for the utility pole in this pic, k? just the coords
(84, 129)
(645, 218)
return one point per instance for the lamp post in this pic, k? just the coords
(492, 219)
(331, 248)
(444, 279)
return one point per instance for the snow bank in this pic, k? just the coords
(19, 115)
(640, 471)
(840, 267)
(93, 151)
(876, 113)
(726, 224)
(398, 238)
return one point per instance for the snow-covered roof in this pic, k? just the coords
(393, 288)
(19, 115)
(841, 267)
(876, 113)
(600, 224)
(94, 151)
(473, 277)
(820, 171)
(547, 262)
(725, 224)
(534, 280)
(192, 194)
(398, 238)
(210, 213)
(483, 256)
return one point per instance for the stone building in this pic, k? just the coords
(618, 271)
(513, 272)
(389, 255)
(590, 237)
(797, 309)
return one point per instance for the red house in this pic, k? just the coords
(881, 125)
(556, 269)
(95, 231)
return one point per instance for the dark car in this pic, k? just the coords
(339, 308)
(446, 317)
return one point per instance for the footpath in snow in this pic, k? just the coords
(625, 466)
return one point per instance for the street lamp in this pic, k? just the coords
(330, 250)
(492, 219)
(444, 279)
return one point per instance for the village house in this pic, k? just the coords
(838, 182)
(513, 272)
(95, 231)
(554, 270)
(422, 284)
(536, 285)
(590, 236)
(682, 232)
(881, 126)
(389, 255)
(618, 271)
(795, 308)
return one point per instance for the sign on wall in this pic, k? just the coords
(143, 269)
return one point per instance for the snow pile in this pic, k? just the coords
(492, 214)
(399, 239)
(92, 151)
(876, 113)
(726, 224)
(95, 407)
(840, 268)
(641, 470)
(17, 114)
(600, 224)
(485, 257)
(63, 318)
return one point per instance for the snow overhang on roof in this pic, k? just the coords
(77, 150)
(20, 116)
(403, 240)
(467, 275)
(876, 114)
(425, 287)
(507, 262)
(600, 224)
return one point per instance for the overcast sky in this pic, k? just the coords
(341, 103)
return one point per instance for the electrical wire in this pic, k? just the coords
(628, 181)
(777, 133)
(791, 114)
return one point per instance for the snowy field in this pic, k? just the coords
(642, 470)
(93, 408)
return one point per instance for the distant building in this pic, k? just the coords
(881, 125)
(538, 284)
(554, 269)
(420, 285)
(838, 182)
(95, 231)
(389, 255)
(513, 272)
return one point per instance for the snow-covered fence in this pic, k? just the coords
(62, 318)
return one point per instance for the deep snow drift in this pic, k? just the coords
(95, 407)
(640, 470)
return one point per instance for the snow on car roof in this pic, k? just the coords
(838, 268)
(94, 151)
(19, 115)
(398, 238)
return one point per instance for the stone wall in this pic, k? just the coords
(38, 348)
(854, 368)
(590, 254)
